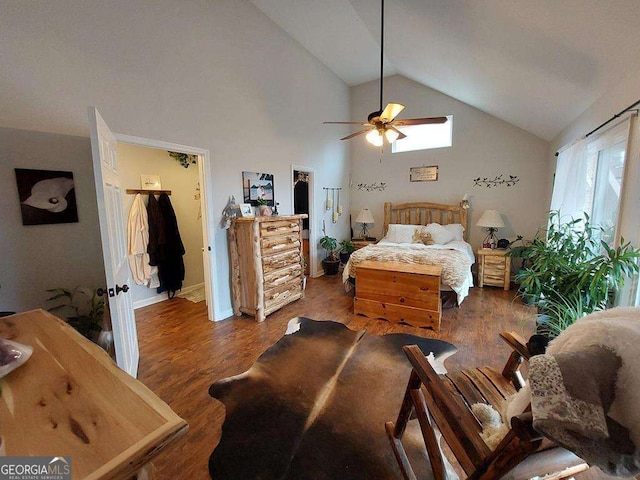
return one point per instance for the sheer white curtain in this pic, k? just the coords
(571, 188)
(601, 176)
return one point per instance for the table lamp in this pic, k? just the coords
(491, 220)
(365, 217)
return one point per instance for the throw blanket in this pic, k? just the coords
(454, 258)
(585, 391)
(314, 405)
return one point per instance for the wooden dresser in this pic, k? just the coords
(399, 292)
(266, 265)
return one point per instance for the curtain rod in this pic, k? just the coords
(621, 112)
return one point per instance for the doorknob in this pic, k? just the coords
(124, 289)
(102, 291)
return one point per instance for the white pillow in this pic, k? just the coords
(400, 233)
(457, 230)
(439, 234)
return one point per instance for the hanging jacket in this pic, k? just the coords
(156, 230)
(137, 241)
(169, 248)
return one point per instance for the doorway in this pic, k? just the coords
(191, 204)
(302, 201)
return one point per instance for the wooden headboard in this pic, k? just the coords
(422, 213)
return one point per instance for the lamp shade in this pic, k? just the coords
(490, 219)
(365, 216)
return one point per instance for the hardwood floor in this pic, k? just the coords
(182, 353)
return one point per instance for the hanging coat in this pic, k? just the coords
(156, 230)
(169, 249)
(137, 242)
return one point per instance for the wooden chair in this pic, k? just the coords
(444, 401)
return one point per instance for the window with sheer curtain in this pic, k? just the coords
(591, 175)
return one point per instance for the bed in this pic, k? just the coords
(403, 242)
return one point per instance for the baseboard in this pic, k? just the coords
(191, 288)
(145, 302)
(161, 297)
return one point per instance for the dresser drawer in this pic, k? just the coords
(282, 276)
(280, 243)
(282, 227)
(494, 262)
(283, 294)
(280, 260)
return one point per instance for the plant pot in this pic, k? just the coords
(331, 267)
(344, 257)
(105, 340)
(265, 211)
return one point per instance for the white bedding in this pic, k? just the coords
(412, 251)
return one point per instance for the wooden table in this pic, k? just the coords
(399, 292)
(494, 268)
(70, 399)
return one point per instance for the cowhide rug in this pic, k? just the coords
(314, 405)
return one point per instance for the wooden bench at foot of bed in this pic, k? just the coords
(399, 292)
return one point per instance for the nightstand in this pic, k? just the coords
(361, 243)
(495, 268)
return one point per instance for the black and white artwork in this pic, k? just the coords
(257, 186)
(46, 196)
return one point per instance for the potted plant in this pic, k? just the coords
(263, 207)
(346, 249)
(82, 308)
(573, 272)
(331, 263)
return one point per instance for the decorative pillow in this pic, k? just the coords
(439, 234)
(400, 233)
(457, 230)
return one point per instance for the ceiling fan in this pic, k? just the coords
(382, 124)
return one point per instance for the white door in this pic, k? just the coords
(114, 249)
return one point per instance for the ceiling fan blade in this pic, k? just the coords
(361, 132)
(419, 121)
(400, 134)
(390, 112)
(349, 123)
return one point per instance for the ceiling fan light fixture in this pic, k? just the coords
(374, 137)
(391, 135)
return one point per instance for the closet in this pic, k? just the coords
(137, 164)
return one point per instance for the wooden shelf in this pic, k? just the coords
(133, 191)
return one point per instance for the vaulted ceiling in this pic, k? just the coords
(536, 64)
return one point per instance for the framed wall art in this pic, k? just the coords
(46, 196)
(257, 186)
(246, 210)
(423, 174)
(150, 182)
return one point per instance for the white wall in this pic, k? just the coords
(483, 146)
(617, 98)
(214, 74)
(136, 160)
(39, 257)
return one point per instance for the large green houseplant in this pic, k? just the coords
(331, 263)
(571, 271)
(82, 308)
